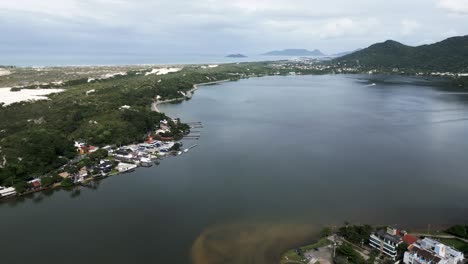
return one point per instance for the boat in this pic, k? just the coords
(186, 150)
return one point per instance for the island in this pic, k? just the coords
(238, 55)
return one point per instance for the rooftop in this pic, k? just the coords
(425, 254)
(386, 236)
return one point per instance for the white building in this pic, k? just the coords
(386, 241)
(5, 192)
(429, 251)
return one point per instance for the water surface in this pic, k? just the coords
(278, 158)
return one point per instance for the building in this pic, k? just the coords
(7, 191)
(409, 239)
(386, 241)
(429, 251)
(105, 166)
(36, 183)
(82, 174)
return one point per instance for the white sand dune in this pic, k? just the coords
(8, 97)
(4, 72)
(163, 71)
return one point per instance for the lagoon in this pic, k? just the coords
(278, 157)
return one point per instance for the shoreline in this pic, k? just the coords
(154, 105)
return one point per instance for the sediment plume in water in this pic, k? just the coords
(249, 243)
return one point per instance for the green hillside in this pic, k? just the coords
(450, 55)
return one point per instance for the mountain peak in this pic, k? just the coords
(448, 55)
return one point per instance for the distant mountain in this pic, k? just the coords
(294, 52)
(236, 56)
(448, 55)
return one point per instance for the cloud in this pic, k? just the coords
(454, 6)
(209, 26)
(408, 27)
(348, 27)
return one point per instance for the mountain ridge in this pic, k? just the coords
(447, 55)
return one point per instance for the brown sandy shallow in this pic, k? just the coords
(249, 243)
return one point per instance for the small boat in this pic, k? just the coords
(186, 150)
(179, 153)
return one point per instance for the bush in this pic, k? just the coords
(67, 182)
(347, 251)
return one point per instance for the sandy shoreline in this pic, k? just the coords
(154, 105)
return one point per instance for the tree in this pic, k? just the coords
(326, 231)
(176, 147)
(401, 250)
(347, 251)
(99, 155)
(21, 187)
(47, 181)
(72, 169)
(67, 182)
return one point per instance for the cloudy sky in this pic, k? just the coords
(218, 27)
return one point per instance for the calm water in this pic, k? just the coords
(278, 157)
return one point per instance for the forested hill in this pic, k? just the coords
(450, 55)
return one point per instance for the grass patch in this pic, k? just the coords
(455, 243)
(293, 257)
(321, 243)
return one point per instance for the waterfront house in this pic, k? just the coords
(7, 191)
(125, 167)
(386, 241)
(429, 251)
(409, 239)
(36, 183)
(82, 174)
(105, 166)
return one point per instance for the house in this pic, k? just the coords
(87, 149)
(92, 149)
(36, 183)
(409, 239)
(82, 174)
(124, 107)
(429, 251)
(386, 241)
(125, 167)
(105, 166)
(7, 191)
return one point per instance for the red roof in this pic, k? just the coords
(409, 239)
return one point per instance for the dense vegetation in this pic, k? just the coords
(357, 234)
(450, 55)
(346, 254)
(459, 231)
(37, 138)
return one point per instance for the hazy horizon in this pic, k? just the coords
(113, 28)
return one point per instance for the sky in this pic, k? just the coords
(153, 27)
